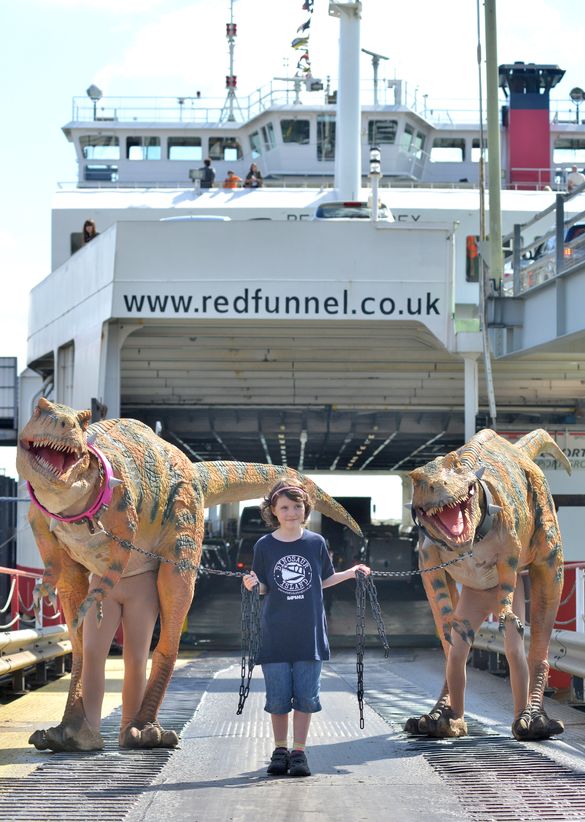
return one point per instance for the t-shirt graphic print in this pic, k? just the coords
(293, 575)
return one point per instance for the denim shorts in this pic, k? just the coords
(292, 685)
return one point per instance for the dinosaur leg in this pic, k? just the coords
(472, 608)
(443, 596)
(73, 733)
(97, 640)
(175, 590)
(139, 598)
(546, 586)
(515, 651)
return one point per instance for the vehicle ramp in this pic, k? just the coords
(219, 772)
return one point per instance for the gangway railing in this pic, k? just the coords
(548, 254)
(28, 649)
(567, 646)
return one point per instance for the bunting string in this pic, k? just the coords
(301, 43)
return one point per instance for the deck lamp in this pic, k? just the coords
(577, 95)
(94, 94)
(375, 174)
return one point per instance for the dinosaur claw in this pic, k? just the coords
(449, 726)
(150, 736)
(534, 724)
(67, 738)
(411, 726)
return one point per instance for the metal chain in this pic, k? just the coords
(423, 570)
(377, 613)
(250, 640)
(185, 565)
(365, 584)
(360, 601)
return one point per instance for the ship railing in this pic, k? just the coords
(567, 646)
(546, 255)
(30, 639)
(387, 94)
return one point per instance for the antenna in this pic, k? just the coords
(375, 63)
(231, 80)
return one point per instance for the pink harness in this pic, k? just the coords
(103, 499)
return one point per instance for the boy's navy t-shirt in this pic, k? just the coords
(293, 620)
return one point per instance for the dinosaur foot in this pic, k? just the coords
(533, 724)
(151, 735)
(440, 723)
(65, 737)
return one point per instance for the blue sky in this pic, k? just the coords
(52, 50)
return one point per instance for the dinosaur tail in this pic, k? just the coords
(540, 442)
(236, 481)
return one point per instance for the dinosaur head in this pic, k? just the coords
(52, 449)
(448, 500)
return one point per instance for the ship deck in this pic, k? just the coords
(219, 771)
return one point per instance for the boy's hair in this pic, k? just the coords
(291, 489)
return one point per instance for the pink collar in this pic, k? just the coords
(103, 499)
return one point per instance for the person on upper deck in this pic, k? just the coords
(575, 179)
(232, 180)
(207, 174)
(254, 177)
(89, 231)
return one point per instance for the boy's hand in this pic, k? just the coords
(363, 568)
(250, 580)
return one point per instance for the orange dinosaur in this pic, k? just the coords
(489, 498)
(118, 476)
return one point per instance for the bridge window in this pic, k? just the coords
(326, 137)
(295, 131)
(382, 132)
(268, 136)
(406, 138)
(448, 150)
(569, 150)
(255, 145)
(184, 148)
(143, 148)
(100, 147)
(225, 148)
(418, 144)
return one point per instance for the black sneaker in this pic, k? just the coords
(298, 764)
(279, 762)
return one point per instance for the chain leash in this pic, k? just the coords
(365, 585)
(250, 641)
(250, 613)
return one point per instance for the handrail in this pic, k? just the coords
(566, 650)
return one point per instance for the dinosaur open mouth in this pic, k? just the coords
(50, 457)
(452, 520)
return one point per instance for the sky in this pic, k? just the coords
(53, 50)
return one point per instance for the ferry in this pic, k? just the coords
(331, 320)
(288, 331)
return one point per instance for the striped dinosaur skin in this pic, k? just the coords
(159, 506)
(448, 503)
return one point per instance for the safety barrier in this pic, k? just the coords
(567, 645)
(29, 649)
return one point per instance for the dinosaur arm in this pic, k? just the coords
(49, 549)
